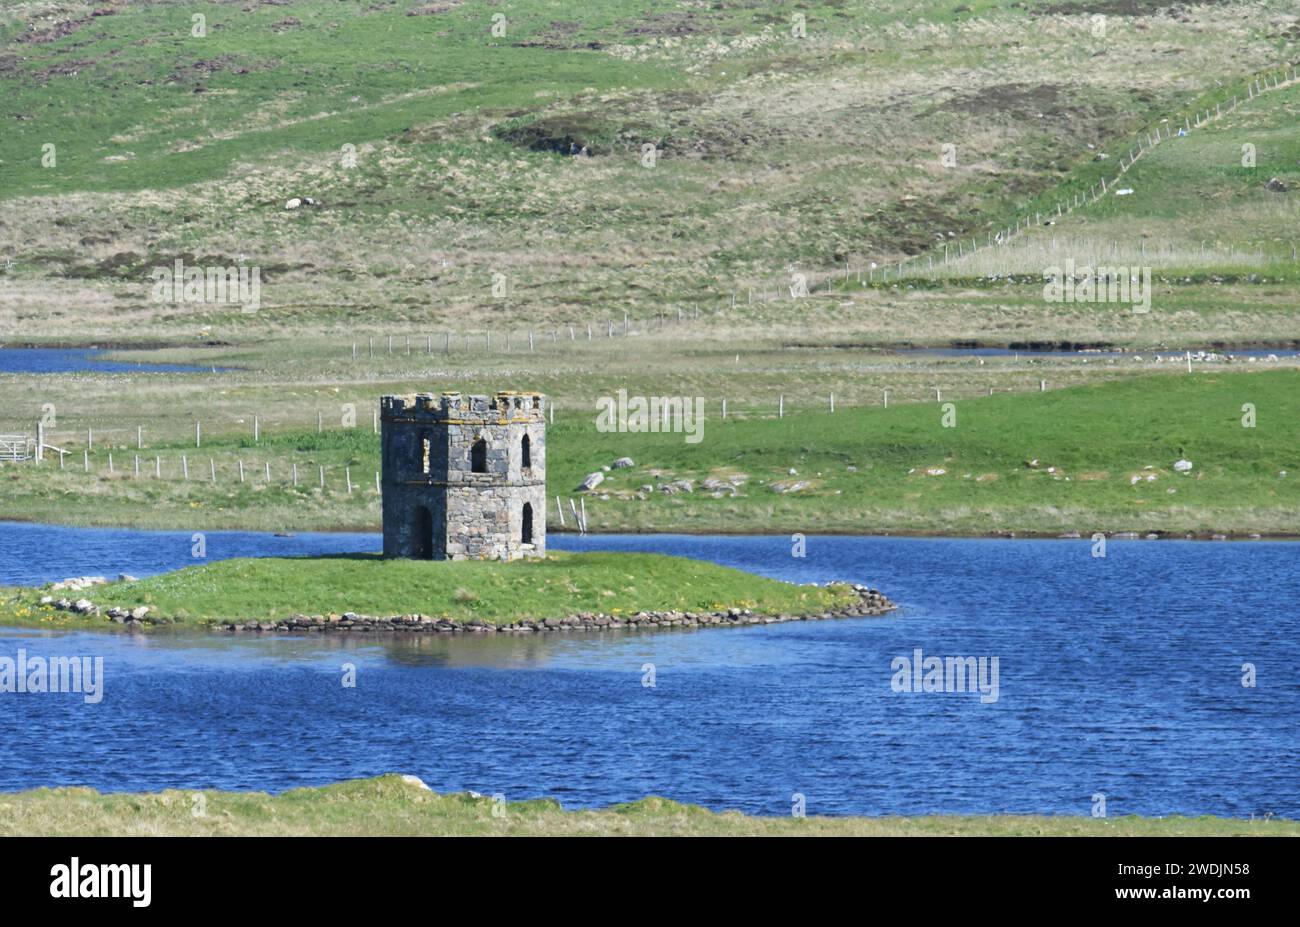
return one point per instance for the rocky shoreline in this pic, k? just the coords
(871, 602)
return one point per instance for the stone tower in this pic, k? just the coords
(464, 476)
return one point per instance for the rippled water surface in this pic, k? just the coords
(1120, 675)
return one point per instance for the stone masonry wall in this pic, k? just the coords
(427, 468)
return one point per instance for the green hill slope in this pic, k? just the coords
(785, 137)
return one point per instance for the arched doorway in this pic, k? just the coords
(423, 545)
(526, 523)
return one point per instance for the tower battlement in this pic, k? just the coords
(501, 406)
(464, 477)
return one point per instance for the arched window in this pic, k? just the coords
(526, 453)
(478, 457)
(526, 518)
(426, 446)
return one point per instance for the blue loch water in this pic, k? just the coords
(1121, 676)
(73, 360)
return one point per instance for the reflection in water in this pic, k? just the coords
(498, 651)
(1120, 675)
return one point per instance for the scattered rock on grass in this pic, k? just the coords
(676, 486)
(80, 582)
(785, 486)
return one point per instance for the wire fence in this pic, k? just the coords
(958, 252)
(275, 438)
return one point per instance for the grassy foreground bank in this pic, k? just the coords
(390, 806)
(494, 592)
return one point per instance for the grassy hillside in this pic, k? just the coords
(864, 469)
(1198, 207)
(388, 806)
(789, 138)
(782, 145)
(563, 584)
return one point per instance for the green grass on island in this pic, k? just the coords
(563, 584)
(390, 806)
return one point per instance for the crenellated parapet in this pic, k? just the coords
(464, 477)
(502, 407)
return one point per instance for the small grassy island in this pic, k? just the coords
(271, 590)
(394, 806)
